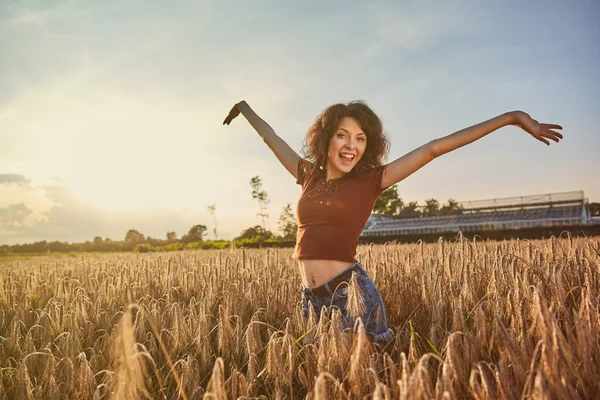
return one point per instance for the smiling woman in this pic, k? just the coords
(337, 141)
(346, 147)
(341, 177)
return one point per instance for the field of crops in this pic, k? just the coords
(473, 319)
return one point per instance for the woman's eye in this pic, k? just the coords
(362, 139)
(340, 135)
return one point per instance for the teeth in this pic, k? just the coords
(348, 156)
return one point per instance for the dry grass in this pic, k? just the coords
(484, 320)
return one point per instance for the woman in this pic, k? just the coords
(342, 177)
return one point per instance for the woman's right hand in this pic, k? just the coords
(235, 111)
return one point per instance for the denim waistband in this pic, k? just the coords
(345, 275)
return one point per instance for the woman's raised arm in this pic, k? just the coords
(284, 153)
(406, 165)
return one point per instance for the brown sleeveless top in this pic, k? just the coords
(331, 215)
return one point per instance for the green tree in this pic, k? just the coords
(411, 210)
(254, 232)
(212, 210)
(134, 236)
(196, 234)
(171, 237)
(431, 208)
(98, 239)
(451, 208)
(262, 198)
(388, 202)
(287, 223)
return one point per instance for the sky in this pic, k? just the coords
(111, 112)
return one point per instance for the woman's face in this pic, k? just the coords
(346, 147)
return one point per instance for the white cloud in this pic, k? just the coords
(13, 178)
(29, 213)
(23, 205)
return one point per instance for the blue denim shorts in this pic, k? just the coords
(337, 298)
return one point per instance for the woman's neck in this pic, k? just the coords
(329, 176)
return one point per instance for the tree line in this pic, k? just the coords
(388, 204)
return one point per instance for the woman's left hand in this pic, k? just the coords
(535, 129)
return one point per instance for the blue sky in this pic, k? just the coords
(110, 113)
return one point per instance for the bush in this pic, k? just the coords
(177, 246)
(218, 244)
(144, 248)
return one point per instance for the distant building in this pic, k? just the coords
(509, 213)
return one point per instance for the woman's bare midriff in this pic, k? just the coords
(316, 272)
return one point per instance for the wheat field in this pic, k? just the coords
(473, 319)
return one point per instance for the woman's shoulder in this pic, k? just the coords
(368, 171)
(306, 165)
(306, 172)
(369, 178)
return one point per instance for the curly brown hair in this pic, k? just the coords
(326, 124)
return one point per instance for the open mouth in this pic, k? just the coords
(347, 158)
